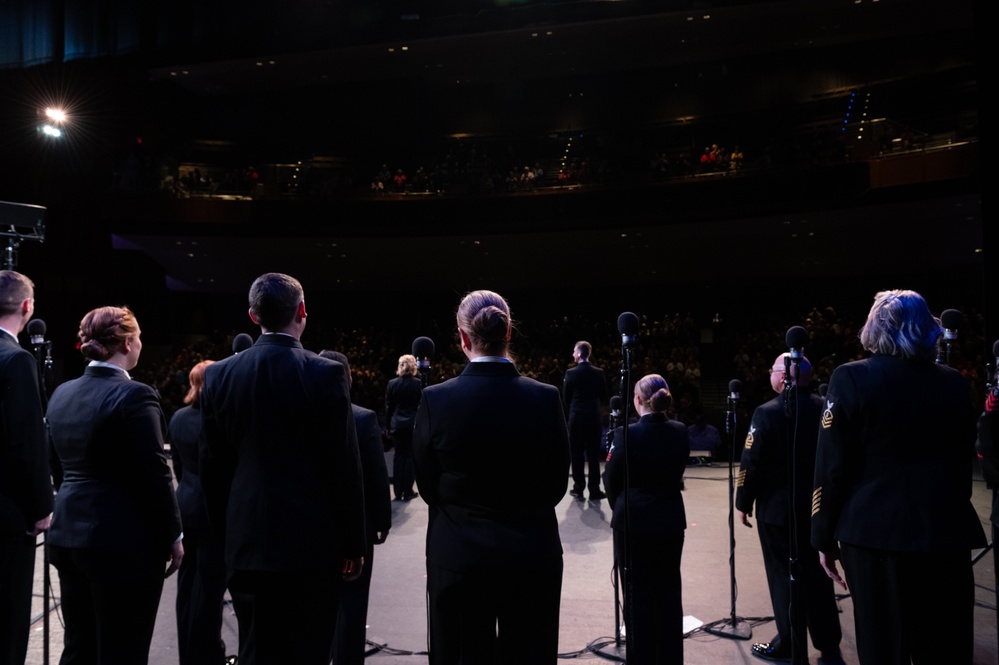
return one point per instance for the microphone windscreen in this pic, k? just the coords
(627, 324)
(796, 338)
(615, 403)
(241, 342)
(36, 328)
(951, 319)
(423, 347)
(735, 386)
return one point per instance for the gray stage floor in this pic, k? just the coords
(397, 617)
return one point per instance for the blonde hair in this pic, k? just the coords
(407, 366)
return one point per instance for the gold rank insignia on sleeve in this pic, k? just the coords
(740, 479)
(816, 500)
(749, 437)
(827, 416)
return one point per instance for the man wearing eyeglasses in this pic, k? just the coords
(764, 481)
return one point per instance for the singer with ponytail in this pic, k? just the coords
(492, 459)
(649, 525)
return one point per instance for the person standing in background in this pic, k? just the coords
(348, 642)
(402, 397)
(583, 392)
(25, 485)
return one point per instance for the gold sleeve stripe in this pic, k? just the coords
(827, 419)
(740, 479)
(749, 441)
(816, 500)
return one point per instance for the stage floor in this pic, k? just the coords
(397, 615)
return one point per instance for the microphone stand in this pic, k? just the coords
(799, 646)
(44, 366)
(734, 627)
(625, 418)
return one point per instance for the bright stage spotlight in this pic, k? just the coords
(55, 115)
(50, 131)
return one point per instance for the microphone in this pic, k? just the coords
(734, 388)
(615, 405)
(241, 342)
(36, 330)
(423, 349)
(796, 339)
(627, 325)
(951, 319)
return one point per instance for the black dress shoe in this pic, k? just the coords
(766, 652)
(576, 494)
(596, 496)
(831, 658)
(410, 496)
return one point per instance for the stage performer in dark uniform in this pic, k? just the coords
(892, 494)
(116, 522)
(583, 391)
(763, 480)
(988, 450)
(348, 644)
(282, 481)
(649, 526)
(201, 580)
(25, 486)
(402, 396)
(494, 557)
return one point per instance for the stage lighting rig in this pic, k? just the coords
(20, 221)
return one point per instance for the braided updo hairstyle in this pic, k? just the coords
(654, 392)
(485, 317)
(104, 330)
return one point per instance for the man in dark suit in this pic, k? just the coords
(789, 419)
(348, 645)
(282, 482)
(583, 393)
(25, 485)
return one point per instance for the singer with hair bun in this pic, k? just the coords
(494, 556)
(643, 479)
(892, 495)
(116, 523)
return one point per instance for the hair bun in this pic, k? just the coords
(491, 323)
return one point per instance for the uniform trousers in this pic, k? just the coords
(200, 592)
(913, 607)
(815, 589)
(403, 472)
(653, 598)
(584, 451)
(110, 596)
(17, 575)
(286, 618)
(493, 616)
(351, 625)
